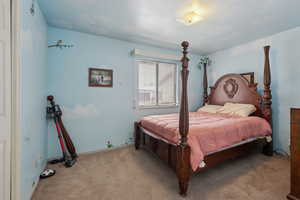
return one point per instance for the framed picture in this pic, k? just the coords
(249, 77)
(100, 77)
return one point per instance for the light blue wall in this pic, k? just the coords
(284, 58)
(96, 115)
(34, 88)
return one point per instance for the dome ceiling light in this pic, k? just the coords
(191, 18)
(191, 14)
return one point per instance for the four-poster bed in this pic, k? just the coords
(179, 154)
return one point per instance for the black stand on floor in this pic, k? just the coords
(55, 113)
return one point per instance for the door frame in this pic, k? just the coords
(16, 99)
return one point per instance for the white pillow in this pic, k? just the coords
(210, 108)
(243, 110)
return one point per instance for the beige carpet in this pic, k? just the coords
(136, 175)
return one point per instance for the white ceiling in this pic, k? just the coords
(226, 22)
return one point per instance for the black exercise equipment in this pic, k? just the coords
(54, 112)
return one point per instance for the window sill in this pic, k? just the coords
(157, 107)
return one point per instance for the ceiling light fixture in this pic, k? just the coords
(191, 18)
(191, 13)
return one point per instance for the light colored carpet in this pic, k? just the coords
(136, 175)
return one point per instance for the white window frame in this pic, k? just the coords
(137, 61)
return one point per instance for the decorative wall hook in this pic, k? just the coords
(32, 8)
(59, 44)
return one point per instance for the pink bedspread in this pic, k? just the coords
(207, 132)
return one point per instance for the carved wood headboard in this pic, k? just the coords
(242, 90)
(234, 88)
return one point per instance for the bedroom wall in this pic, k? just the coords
(92, 115)
(284, 58)
(34, 89)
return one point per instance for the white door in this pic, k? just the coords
(5, 99)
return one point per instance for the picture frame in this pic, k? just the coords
(249, 76)
(100, 77)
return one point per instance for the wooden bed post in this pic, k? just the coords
(137, 135)
(267, 99)
(183, 167)
(205, 84)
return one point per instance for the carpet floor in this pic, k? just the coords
(127, 174)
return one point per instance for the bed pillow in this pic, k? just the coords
(210, 108)
(243, 110)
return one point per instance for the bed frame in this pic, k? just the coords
(229, 88)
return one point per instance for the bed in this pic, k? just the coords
(190, 142)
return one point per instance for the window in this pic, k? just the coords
(157, 83)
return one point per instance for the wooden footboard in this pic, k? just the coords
(177, 157)
(164, 151)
